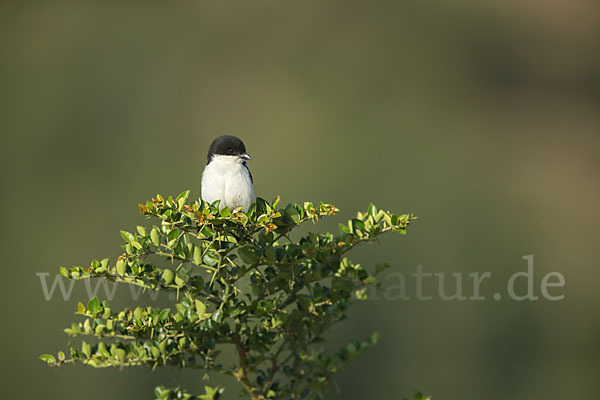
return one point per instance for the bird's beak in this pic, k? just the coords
(246, 156)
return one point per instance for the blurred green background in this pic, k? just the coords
(480, 117)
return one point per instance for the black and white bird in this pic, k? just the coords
(226, 176)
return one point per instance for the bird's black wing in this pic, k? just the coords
(249, 173)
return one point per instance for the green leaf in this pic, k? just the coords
(102, 350)
(374, 338)
(80, 308)
(182, 199)
(372, 210)
(357, 225)
(344, 228)
(138, 313)
(49, 358)
(198, 282)
(121, 266)
(368, 280)
(172, 235)
(206, 232)
(311, 211)
(211, 258)
(419, 396)
(128, 237)
(155, 351)
(292, 212)
(217, 315)
(200, 308)
(159, 392)
(118, 353)
(155, 236)
(168, 276)
(94, 306)
(180, 280)
(248, 254)
(164, 314)
(271, 254)
(197, 255)
(86, 349)
(211, 393)
(381, 267)
(276, 201)
(87, 328)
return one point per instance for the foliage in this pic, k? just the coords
(240, 281)
(420, 396)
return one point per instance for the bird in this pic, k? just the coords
(227, 176)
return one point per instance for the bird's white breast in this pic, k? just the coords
(225, 178)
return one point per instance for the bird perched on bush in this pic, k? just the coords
(226, 176)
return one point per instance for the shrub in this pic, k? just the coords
(241, 281)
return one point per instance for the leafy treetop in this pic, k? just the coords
(240, 281)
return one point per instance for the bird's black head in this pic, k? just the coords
(227, 145)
